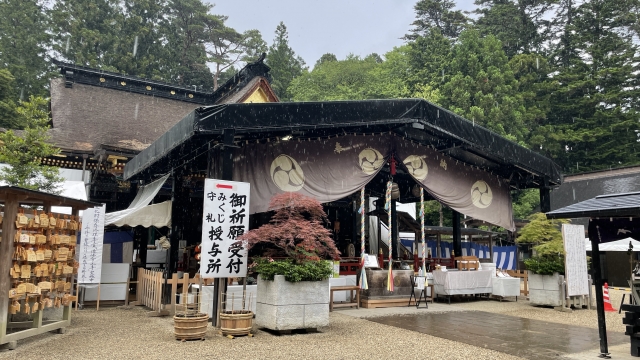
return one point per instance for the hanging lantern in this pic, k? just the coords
(395, 191)
(415, 191)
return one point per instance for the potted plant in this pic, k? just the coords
(547, 263)
(293, 283)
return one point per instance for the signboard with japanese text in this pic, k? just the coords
(225, 217)
(575, 260)
(92, 237)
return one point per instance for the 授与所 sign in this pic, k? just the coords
(225, 218)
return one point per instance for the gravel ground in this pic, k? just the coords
(581, 317)
(130, 333)
(119, 333)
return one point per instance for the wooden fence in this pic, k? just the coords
(151, 284)
(149, 289)
(524, 275)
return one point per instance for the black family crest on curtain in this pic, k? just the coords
(331, 169)
(612, 229)
(466, 189)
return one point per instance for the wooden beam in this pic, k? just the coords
(6, 253)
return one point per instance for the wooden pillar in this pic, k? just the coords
(597, 281)
(6, 253)
(457, 245)
(178, 207)
(545, 198)
(142, 243)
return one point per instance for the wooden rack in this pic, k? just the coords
(10, 332)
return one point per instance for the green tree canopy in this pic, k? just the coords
(326, 58)
(594, 112)
(334, 80)
(429, 57)
(521, 25)
(285, 64)
(9, 118)
(440, 15)
(481, 86)
(24, 41)
(23, 152)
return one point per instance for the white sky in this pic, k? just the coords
(317, 27)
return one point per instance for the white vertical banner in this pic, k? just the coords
(575, 260)
(225, 217)
(91, 241)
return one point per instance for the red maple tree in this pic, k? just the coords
(296, 231)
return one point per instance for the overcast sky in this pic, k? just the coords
(317, 27)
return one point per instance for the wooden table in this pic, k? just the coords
(350, 289)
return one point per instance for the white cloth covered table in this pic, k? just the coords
(508, 286)
(462, 282)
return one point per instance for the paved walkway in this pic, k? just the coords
(526, 338)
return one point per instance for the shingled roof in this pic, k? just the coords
(614, 205)
(91, 108)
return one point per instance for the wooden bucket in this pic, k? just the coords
(190, 326)
(236, 323)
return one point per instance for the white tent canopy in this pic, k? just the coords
(618, 245)
(140, 213)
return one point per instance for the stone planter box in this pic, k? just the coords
(283, 305)
(545, 290)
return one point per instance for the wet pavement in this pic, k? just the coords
(526, 338)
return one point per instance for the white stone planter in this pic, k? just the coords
(283, 305)
(545, 289)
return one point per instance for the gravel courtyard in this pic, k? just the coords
(130, 333)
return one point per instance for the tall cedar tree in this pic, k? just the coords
(86, 32)
(296, 231)
(186, 57)
(285, 65)
(481, 86)
(9, 118)
(440, 15)
(24, 39)
(139, 45)
(429, 56)
(595, 108)
(23, 151)
(521, 25)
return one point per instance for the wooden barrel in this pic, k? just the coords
(190, 326)
(237, 323)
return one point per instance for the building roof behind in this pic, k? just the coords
(614, 205)
(92, 108)
(26, 196)
(85, 117)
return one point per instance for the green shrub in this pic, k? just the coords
(546, 264)
(294, 272)
(545, 234)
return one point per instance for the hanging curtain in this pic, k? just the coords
(331, 169)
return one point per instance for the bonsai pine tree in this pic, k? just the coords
(296, 231)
